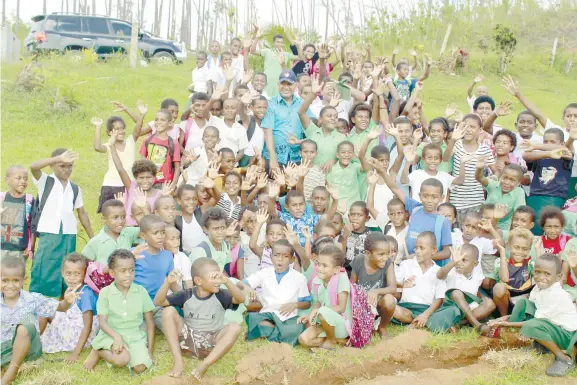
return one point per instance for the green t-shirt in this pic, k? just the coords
(443, 166)
(323, 295)
(326, 144)
(272, 68)
(357, 139)
(102, 245)
(512, 200)
(222, 257)
(345, 179)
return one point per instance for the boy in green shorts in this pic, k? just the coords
(505, 192)
(20, 312)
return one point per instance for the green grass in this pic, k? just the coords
(32, 129)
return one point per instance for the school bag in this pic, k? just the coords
(29, 202)
(439, 219)
(95, 277)
(39, 203)
(170, 146)
(227, 268)
(360, 327)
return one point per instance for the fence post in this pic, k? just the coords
(446, 39)
(554, 51)
(9, 45)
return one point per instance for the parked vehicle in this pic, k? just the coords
(72, 33)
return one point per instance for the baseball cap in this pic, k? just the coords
(287, 76)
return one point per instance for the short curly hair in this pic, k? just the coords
(484, 99)
(512, 137)
(213, 214)
(550, 212)
(143, 165)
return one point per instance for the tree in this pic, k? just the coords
(3, 12)
(17, 12)
(93, 7)
(43, 6)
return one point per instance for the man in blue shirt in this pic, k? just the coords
(281, 122)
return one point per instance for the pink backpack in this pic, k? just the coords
(95, 277)
(360, 328)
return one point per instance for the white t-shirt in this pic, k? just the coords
(127, 158)
(198, 168)
(417, 177)
(383, 195)
(458, 281)
(484, 245)
(257, 140)
(342, 109)
(291, 287)
(200, 79)
(427, 287)
(555, 305)
(231, 137)
(182, 263)
(251, 260)
(212, 65)
(192, 235)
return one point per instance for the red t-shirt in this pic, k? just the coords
(159, 152)
(553, 246)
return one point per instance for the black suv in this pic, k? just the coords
(64, 32)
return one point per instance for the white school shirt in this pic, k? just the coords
(342, 109)
(275, 294)
(192, 235)
(198, 168)
(383, 195)
(182, 263)
(195, 132)
(417, 177)
(58, 209)
(238, 65)
(231, 137)
(401, 239)
(251, 260)
(212, 65)
(200, 79)
(127, 158)
(427, 287)
(460, 282)
(257, 140)
(555, 305)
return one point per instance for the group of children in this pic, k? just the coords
(385, 218)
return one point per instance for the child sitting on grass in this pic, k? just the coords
(283, 292)
(73, 330)
(422, 292)
(326, 323)
(553, 241)
(14, 202)
(20, 312)
(548, 316)
(462, 302)
(125, 147)
(201, 333)
(375, 273)
(513, 277)
(122, 309)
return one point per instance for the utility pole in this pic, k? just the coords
(133, 58)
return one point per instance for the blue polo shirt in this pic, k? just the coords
(284, 121)
(151, 270)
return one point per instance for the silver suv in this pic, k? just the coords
(64, 32)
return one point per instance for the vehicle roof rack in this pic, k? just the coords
(78, 14)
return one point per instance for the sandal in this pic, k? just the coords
(560, 368)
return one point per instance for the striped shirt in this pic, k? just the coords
(470, 193)
(314, 178)
(232, 209)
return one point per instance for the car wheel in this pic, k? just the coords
(163, 57)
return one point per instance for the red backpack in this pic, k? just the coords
(360, 328)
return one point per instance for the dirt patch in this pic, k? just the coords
(271, 360)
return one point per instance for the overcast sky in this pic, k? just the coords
(267, 13)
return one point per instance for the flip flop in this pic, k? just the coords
(560, 368)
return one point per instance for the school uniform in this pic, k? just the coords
(57, 229)
(321, 293)
(450, 313)
(427, 289)
(277, 289)
(549, 315)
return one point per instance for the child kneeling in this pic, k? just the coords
(327, 321)
(202, 332)
(549, 316)
(284, 292)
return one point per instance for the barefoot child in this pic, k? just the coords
(122, 308)
(56, 226)
(422, 291)
(549, 316)
(73, 330)
(20, 312)
(181, 260)
(16, 210)
(188, 223)
(201, 332)
(375, 273)
(461, 301)
(326, 322)
(283, 292)
(355, 234)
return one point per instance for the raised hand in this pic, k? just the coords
(262, 216)
(279, 177)
(138, 250)
(500, 211)
(376, 165)
(428, 59)
(71, 294)
(113, 137)
(323, 51)
(188, 157)
(218, 277)
(412, 52)
(262, 181)
(451, 109)
(481, 162)
(141, 107)
(459, 131)
(212, 171)
(304, 167)
(119, 107)
(467, 158)
(485, 224)
(358, 72)
(246, 184)
(374, 134)
(316, 87)
(218, 92)
(571, 257)
(377, 71)
(457, 254)
(290, 235)
(306, 233)
(511, 85)
(391, 130)
(140, 197)
(228, 73)
(336, 100)
(503, 109)
(274, 190)
(96, 121)
(68, 157)
(207, 182)
(247, 76)
(478, 79)
(120, 196)
(373, 177)
(417, 136)
(246, 99)
(167, 188)
(173, 277)
(410, 153)
(333, 192)
(231, 229)
(396, 51)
